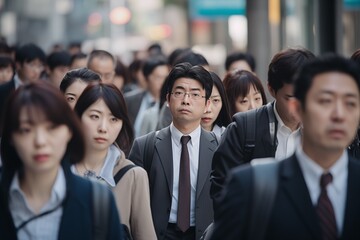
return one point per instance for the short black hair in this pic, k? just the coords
(195, 59)
(285, 65)
(6, 61)
(151, 63)
(57, 59)
(77, 56)
(82, 74)
(186, 70)
(28, 53)
(238, 56)
(324, 64)
(100, 54)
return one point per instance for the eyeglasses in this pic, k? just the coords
(35, 66)
(192, 95)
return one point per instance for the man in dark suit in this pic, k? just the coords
(30, 62)
(277, 130)
(189, 89)
(318, 192)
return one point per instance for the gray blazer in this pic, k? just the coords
(133, 101)
(161, 179)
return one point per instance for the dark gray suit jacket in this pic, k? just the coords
(293, 215)
(133, 101)
(161, 179)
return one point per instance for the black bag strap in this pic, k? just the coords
(101, 209)
(149, 149)
(265, 179)
(272, 121)
(122, 172)
(249, 146)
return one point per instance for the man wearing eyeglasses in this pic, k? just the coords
(30, 63)
(180, 166)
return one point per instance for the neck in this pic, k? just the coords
(325, 158)
(208, 128)
(155, 95)
(186, 128)
(94, 159)
(37, 187)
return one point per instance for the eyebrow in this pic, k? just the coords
(72, 94)
(333, 93)
(215, 96)
(191, 89)
(95, 110)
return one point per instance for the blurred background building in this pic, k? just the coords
(212, 27)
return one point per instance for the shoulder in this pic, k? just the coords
(134, 94)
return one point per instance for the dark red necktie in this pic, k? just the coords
(325, 210)
(183, 211)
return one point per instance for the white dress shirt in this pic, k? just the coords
(336, 190)
(42, 228)
(287, 139)
(193, 148)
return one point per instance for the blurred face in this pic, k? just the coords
(101, 126)
(119, 82)
(6, 74)
(40, 144)
(282, 96)
(213, 110)
(79, 63)
(30, 71)
(331, 114)
(105, 67)
(252, 100)
(57, 74)
(187, 109)
(240, 65)
(74, 91)
(156, 79)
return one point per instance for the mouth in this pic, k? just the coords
(337, 133)
(41, 157)
(100, 140)
(184, 111)
(206, 119)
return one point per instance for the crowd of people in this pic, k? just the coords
(165, 148)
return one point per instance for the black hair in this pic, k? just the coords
(82, 74)
(28, 53)
(57, 59)
(238, 56)
(151, 63)
(77, 56)
(224, 117)
(191, 57)
(6, 61)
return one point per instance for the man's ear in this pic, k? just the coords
(271, 91)
(295, 108)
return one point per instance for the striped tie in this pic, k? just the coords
(325, 211)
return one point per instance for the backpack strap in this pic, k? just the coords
(272, 121)
(101, 208)
(250, 124)
(149, 149)
(265, 180)
(122, 172)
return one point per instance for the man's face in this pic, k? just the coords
(157, 78)
(187, 110)
(105, 67)
(282, 96)
(331, 113)
(30, 71)
(240, 65)
(57, 74)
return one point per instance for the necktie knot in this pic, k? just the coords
(325, 180)
(185, 139)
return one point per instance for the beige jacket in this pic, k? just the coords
(133, 201)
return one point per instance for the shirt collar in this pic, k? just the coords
(112, 157)
(176, 135)
(313, 171)
(17, 81)
(58, 191)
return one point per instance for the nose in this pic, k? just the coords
(102, 126)
(186, 98)
(252, 104)
(339, 111)
(40, 137)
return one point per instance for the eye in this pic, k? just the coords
(70, 99)
(178, 94)
(351, 104)
(324, 101)
(24, 130)
(195, 95)
(216, 100)
(114, 119)
(243, 101)
(258, 99)
(94, 116)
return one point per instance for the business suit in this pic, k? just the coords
(293, 215)
(5, 90)
(133, 101)
(230, 152)
(161, 179)
(77, 217)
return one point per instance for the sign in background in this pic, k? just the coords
(209, 9)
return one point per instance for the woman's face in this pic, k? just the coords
(40, 143)
(74, 91)
(101, 126)
(212, 112)
(251, 101)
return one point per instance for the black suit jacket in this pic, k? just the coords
(293, 215)
(77, 218)
(230, 152)
(161, 179)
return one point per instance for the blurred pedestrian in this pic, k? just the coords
(240, 61)
(40, 197)
(317, 194)
(7, 69)
(103, 63)
(58, 64)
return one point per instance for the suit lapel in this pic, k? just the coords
(206, 151)
(295, 188)
(163, 147)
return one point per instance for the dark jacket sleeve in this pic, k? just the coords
(228, 155)
(136, 154)
(115, 229)
(231, 219)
